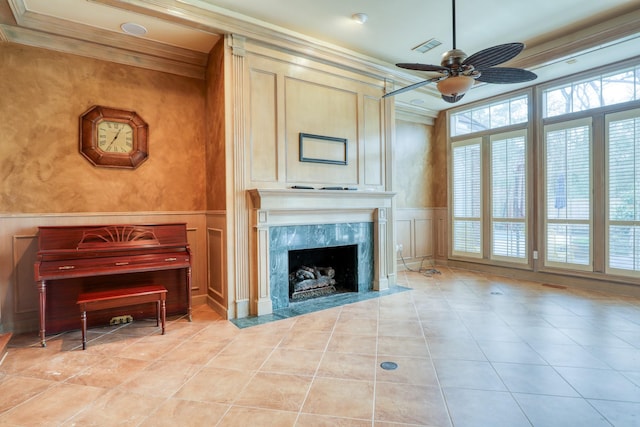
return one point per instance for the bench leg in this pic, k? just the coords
(83, 317)
(163, 314)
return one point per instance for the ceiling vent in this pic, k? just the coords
(428, 45)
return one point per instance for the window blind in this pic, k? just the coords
(623, 192)
(508, 197)
(568, 194)
(466, 198)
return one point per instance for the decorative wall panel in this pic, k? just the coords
(264, 133)
(373, 151)
(320, 110)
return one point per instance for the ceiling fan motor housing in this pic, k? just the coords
(453, 58)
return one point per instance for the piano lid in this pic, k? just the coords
(111, 237)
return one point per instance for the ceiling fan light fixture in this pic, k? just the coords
(360, 17)
(455, 85)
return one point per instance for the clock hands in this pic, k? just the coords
(114, 139)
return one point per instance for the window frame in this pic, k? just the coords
(542, 197)
(485, 135)
(464, 143)
(526, 185)
(536, 185)
(613, 116)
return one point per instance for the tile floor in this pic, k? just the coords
(471, 349)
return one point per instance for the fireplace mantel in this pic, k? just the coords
(313, 199)
(295, 206)
(282, 207)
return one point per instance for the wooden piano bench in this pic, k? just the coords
(92, 301)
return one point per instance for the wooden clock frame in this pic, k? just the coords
(89, 121)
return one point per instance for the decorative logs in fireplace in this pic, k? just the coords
(309, 282)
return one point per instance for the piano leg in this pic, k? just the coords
(163, 312)
(189, 293)
(83, 317)
(42, 290)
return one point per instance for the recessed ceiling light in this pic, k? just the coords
(360, 17)
(133, 29)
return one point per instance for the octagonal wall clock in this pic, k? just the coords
(113, 138)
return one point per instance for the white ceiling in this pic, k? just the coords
(609, 30)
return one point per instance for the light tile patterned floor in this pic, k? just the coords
(471, 349)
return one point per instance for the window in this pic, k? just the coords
(467, 198)
(499, 114)
(509, 196)
(582, 195)
(568, 194)
(595, 92)
(489, 181)
(623, 192)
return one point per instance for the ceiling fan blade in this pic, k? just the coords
(506, 75)
(452, 99)
(423, 67)
(411, 87)
(494, 55)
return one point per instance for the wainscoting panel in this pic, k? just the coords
(25, 297)
(422, 234)
(440, 217)
(217, 286)
(423, 237)
(404, 233)
(215, 251)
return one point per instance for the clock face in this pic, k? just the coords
(115, 137)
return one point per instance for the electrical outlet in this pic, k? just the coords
(535, 254)
(399, 247)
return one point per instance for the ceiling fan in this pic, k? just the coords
(458, 73)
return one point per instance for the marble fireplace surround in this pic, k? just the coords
(357, 214)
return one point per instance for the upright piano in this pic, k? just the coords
(75, 259)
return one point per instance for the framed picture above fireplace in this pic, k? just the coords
(323, 149)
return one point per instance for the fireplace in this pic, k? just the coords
(285, 220)
(320, 244)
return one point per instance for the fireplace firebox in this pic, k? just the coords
(322, 271)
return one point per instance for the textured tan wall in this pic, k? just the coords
(42, 95)
(215, 114)
(438, 162)
(420, 166)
